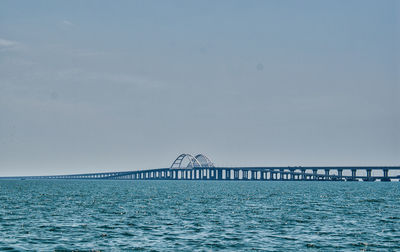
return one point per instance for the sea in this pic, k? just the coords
(102, 215)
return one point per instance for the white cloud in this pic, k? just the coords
(8, 44)
(67, 22)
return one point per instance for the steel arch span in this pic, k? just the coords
(204, 160)
(199, 160)
(177, 164)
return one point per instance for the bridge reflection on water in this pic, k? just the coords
(199, 167)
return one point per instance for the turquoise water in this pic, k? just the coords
(199, 215)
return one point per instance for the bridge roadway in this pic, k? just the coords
(243, 173)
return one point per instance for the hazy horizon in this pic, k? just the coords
(93, 86)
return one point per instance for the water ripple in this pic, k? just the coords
(198, 215)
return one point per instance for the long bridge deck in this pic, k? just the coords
(199, 167)
(322, 173)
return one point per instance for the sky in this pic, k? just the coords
(92, 86)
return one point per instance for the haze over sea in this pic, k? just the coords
(198, 215)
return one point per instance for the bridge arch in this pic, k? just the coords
(193, 162)
(204, 160)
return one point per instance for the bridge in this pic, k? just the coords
(199, 167)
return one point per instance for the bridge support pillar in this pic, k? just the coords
(315, 172)
(327, 174)
(213, 174)
(340, 174)
(219, 174)
(369, 178)
(227, 174)
(253, 175)
(353, 175)
(235, 174)
(263, 175)
(385, 175)
(245, 174)
(303, 174)
(291, 173)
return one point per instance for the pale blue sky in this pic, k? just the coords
(90, 86)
